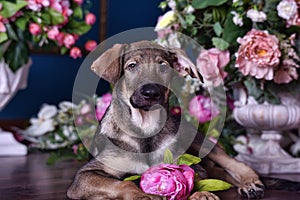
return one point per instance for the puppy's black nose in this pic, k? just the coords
(150, 92)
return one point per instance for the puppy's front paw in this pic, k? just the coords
(203, 196)
(251, 189)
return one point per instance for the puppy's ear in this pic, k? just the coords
(183, 64)
(108, 65)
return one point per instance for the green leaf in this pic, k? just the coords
(21, 22)
(11, 32)
(3, 37)
(9, 9)
(201, 4)
(16, 50)
(77, 12)
(211, 185)
(78, 28)
(218, 29)
(190, 19)
(253, 89)
(220, 43)
(132, 178)
(56, 17)
(168, 157)
(231, 31)
(188, 159)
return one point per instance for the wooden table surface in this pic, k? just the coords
(29, 177)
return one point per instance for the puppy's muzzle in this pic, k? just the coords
(147, 96)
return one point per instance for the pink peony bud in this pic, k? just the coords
(2, 27)
(102, 105)
(53, 33)
(203, 108)
(90, 19)
(172, 181)
(69, 40)
(35, 29)
(75, 52)
(90, 45)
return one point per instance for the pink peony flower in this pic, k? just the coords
(2, 27)
(90, 45)
(102, 105)
(79, 2)
(37, 5)
(210, 64)
(90, 19)
(172, 181)
(35, 29)
(75, 52)
(69, 40)
(53, 33)
(203, 108)
(258, 54)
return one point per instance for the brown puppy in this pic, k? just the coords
(137, 127)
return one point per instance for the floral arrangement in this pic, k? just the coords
(67, 129)
(25, 24)
(177, 181)
(252, 44)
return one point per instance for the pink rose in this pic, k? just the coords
(35, 29)
(79, 2)
(203, 108)
(69, 40)
(210, 64)
(102, 105)
(90, 45)
(75, 52)
(258, 54)
(172, 181)
(90, 19)
(53, 33)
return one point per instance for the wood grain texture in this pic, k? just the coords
(30, 178)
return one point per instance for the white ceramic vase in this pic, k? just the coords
(262, 151)
(11, 82)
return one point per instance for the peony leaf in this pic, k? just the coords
(78, 28)
(9, 9)
(21, 22)
(56, 17)
(3, 37)
(200, 4)
(188, 159)
(220, 43)
(211, 185)
(218, 29)
(168, 157)
(132, 178)
(78, 12)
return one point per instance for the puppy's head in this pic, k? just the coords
(145, 70)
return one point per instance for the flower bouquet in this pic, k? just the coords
(28, 24)
(249, 46)
(67, 130)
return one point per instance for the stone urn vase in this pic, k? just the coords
(265, 124)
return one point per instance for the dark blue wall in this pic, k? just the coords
(51, 77)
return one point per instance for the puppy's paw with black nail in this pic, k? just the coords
(253, 189)
(203, 196)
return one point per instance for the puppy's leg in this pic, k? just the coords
(245, 178)
(91, 183)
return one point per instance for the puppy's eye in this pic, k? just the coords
(164, 66)
(131, 66)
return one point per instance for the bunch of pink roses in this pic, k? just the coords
(28, 23)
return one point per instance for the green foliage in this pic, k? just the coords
(168, 157)
(132, 178)
(211, 185)
(9, 9)
(188, 159)
(201, 4)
